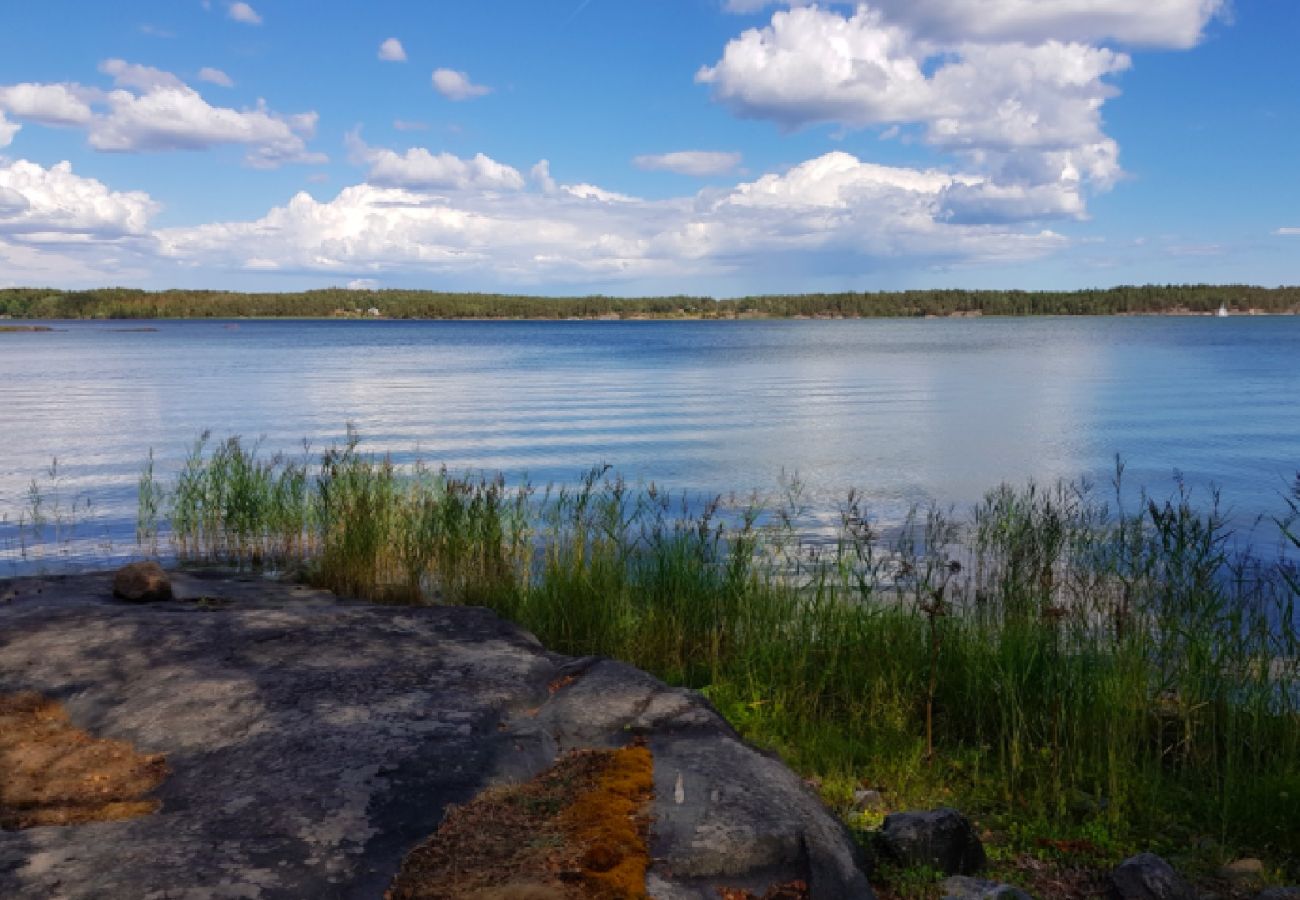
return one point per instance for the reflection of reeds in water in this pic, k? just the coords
(1087, 666)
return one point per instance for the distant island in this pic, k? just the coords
(124, 303)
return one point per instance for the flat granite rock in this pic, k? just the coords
(313, 741)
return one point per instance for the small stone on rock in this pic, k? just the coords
(142, 582)
(867, 800)
(942, 839)
(1148, 877)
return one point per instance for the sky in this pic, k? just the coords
(633, 147)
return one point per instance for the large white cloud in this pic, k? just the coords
(1026, 117)
(180, 119)
(1161, 23)
(812, 65)
(155, 110)
(572, 232)
(1165, 23)
(57, 224)
(55, 200)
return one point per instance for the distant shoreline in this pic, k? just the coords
(120, 304)
(6, 327)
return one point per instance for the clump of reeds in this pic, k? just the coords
(1081, 664)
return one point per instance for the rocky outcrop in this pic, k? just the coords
(312, 742)
(940, 839)
(1148, 877)
(1279, 893)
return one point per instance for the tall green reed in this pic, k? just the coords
(1055, 654)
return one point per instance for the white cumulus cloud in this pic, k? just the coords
(151, 110)
(1027, 117)
(689, 162)
(1160, 23)
(392, 50)
(1164, 23)
(7, 130)
(833, 204)
(420, 170)
(55, 200)
(215, 76)
(180, 119)
(242, 12)
(457, 85)
(133, 75)
(47, 104)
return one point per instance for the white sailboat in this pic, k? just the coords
(1223, 311)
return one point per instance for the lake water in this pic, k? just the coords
(905, 410)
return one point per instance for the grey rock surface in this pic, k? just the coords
(313, 741)
(1148, 877)
(964, 887)
(1279, 893)
(942, 839)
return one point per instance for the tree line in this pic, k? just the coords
(128, 303)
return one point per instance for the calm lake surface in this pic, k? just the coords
(905, 410)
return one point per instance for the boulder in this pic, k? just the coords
(941, 839)
(142, 582)
(963, 887)
(1148, 877)
(312, 742)
(1279, 893)
(1242, 869)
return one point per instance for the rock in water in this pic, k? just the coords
(963, 887)
(313, 742)
(142, 582)
(942, 839)
(1148, 877)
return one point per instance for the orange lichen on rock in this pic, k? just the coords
(52, 773)
(609, 823)
(578, 831)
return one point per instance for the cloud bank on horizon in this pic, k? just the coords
(939, 137)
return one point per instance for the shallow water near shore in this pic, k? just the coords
(906, 410)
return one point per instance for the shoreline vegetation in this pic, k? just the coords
(124, 303)
(1086, 679)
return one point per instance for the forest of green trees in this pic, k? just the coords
(125, 303)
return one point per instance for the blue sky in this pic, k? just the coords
(646, 146)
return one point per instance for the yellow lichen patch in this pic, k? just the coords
(52, 773)
(578, 831)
